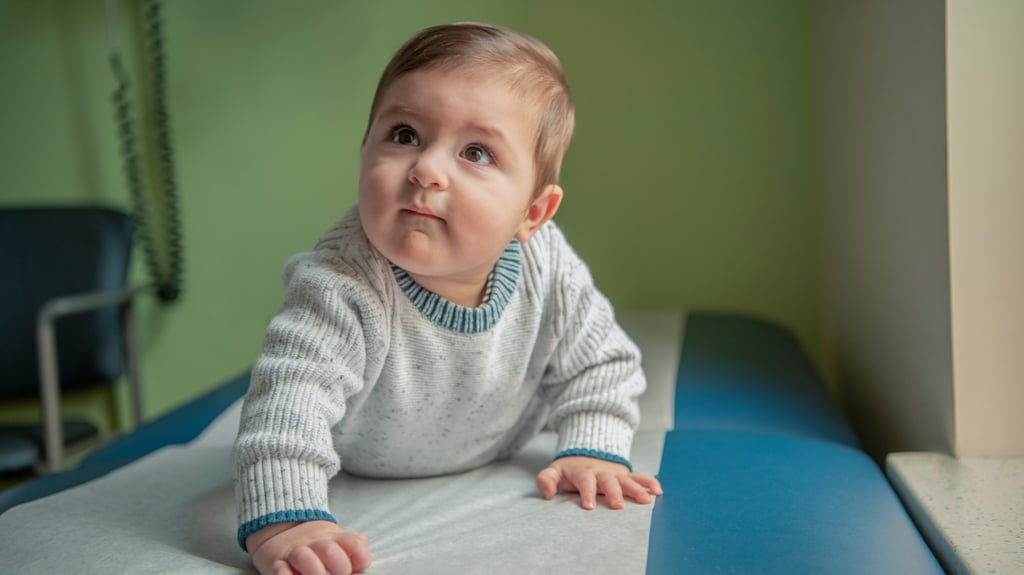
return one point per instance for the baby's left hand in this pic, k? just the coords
(590, 477)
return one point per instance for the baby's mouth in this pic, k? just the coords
(422, 213)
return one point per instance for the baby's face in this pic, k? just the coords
(447, 175)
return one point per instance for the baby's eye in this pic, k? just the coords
(405, 136)
(478, 155)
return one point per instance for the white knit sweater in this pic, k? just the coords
(364, 368)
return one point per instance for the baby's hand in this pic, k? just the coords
(590, 476)
(306, 548)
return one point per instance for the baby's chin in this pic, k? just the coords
(417, 258)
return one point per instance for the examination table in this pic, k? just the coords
(762, 474)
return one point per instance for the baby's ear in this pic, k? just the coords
(539, 212)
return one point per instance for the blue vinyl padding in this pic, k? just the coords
(743, 374)
(741, 502)
(763, 474)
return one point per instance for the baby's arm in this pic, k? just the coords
(313, 361)
(592, 383)
(308, 547)
(590, 476)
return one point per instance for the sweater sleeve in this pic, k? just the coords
(594, 379)
(312, 362)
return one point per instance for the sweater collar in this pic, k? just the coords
(501, 283)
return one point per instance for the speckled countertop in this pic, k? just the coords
(971, 511)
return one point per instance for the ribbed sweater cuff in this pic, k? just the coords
(597, 435)
(277, 491)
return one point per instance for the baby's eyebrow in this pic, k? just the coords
(488, 132)
(397, 111)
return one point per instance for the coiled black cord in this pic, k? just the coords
(167, 277)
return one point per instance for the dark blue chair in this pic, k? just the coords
(66, 312)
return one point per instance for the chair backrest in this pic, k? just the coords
(51, 252)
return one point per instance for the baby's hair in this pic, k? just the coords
(531, 69)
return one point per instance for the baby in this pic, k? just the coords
(445, 320)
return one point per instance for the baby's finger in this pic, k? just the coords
(547, 482)
(305, 561)
(281, 567)
(635, 491)
(357, 547)
(612, 490)
(652, 484)
(586, 484)
(333, 557)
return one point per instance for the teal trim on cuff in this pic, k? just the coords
(596, 455)
(288, 516)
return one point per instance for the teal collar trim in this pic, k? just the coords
(501, 284)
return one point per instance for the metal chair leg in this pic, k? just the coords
(53, 432)
(48, 376)
(132, 362)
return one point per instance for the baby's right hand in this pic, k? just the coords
(308, 548)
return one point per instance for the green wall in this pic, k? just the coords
(689, 183)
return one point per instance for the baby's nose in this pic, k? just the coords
(430, 170)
